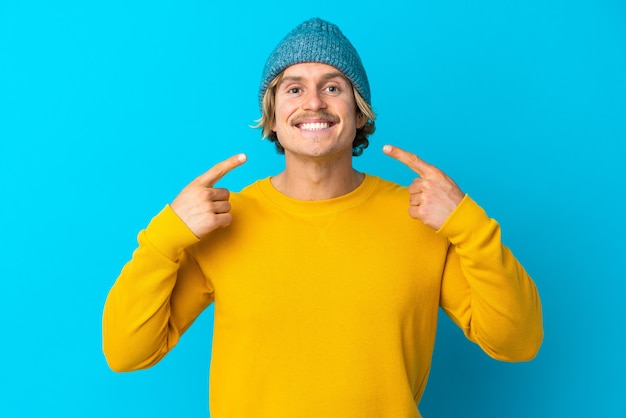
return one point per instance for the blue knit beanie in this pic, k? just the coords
(317, 40)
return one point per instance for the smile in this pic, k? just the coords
(314, 126)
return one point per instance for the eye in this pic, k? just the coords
(333, 89)
(294, 90)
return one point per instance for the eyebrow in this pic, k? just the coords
(325, 77)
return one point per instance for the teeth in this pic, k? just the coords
(316, 126)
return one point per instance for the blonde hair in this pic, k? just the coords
(268, 108)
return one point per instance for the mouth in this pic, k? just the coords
(315, 121)
(314, 126)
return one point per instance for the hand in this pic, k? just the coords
(434, 195)
(204, 208)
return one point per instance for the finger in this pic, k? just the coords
(221, 207)
(219, 170)
(217, 194)
(415, 200)
(416, 186)
(223, 219)
(411, 160)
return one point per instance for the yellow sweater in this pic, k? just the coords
(322, 308)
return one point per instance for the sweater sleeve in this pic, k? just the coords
(157, 296)
(486, 291)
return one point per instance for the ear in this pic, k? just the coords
(361, 120)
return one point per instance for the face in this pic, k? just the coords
(316, 113)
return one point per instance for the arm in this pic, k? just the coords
(158, 294)
(484, 290)
(162, 289)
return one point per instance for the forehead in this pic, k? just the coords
(312, 70)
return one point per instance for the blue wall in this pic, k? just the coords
(108, 108)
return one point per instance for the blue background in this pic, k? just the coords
(109, 108)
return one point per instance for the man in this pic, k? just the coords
(326, 291)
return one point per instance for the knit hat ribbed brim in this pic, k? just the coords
(317, 40)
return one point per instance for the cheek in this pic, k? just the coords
(281, 116)
(277, 118)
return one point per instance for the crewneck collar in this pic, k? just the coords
(320, 207)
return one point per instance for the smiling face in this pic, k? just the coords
(315, 112)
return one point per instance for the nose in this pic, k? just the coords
(313, 100)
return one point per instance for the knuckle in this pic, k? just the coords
(412, 158)
(204, 195)
(430, 185)
(217, 194)
(227, 218)
(219, 171)
(416, 186)
(212, 219)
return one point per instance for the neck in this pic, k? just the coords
(316, 181)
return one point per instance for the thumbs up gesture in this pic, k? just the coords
(202, 207)
(433, 195)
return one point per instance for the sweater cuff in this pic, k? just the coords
(466, 218)
(169, 234)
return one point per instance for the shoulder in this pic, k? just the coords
(386, 186)
(250, 192)
(383, 189)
